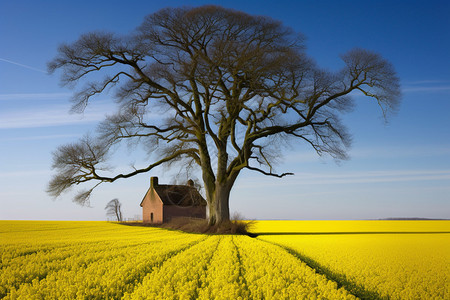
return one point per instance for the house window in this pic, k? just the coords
(151, 217)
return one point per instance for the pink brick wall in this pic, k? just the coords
(152, 204)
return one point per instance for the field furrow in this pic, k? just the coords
(394, 266)
(242, 276)
(180, 276)
(273, 273)
(223, 277)
(342, 280)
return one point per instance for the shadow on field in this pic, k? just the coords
(348, 232)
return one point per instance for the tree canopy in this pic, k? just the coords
(228, 88)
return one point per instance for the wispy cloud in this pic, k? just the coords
(40, 137)
(375, 176)
(429, 81)
(387, 176)
(34, 96)
(426, 86)
(385, 152)
(400, 151)
(49, 116)
(34, 116)
(426, 89)
(22, 65)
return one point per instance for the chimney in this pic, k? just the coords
(153, 182)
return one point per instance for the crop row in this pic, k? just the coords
(236, 267)
(109, 261)
(106, 268)
(394, 266)
(98, 260)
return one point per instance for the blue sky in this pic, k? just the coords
(398, 169)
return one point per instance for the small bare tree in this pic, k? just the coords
(230, 88)
(113, 209)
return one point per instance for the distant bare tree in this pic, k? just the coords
(113, 209)
(230, 89)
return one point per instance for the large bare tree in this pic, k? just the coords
(232, 87)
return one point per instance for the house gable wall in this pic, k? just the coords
(152, 204)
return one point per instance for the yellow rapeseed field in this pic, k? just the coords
(100, 260)
(394, 259)
(291, 227)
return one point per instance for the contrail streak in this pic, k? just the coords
(22, 65)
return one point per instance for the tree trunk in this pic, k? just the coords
(219, 208)
(118, 214)
(218, 187)
(222, 207)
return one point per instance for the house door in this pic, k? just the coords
(151, 217)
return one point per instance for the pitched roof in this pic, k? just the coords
(180, 195)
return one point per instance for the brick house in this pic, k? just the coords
(163, 202)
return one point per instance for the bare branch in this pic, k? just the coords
(268, 173)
